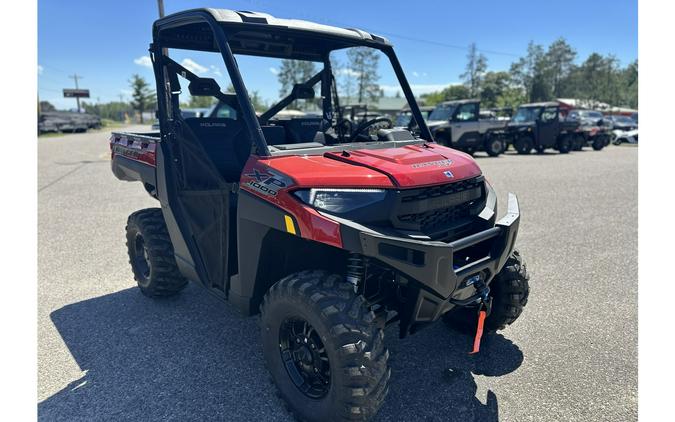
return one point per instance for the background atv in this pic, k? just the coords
(594, 129)
(539, 126)
(458, 124)
(330, 232)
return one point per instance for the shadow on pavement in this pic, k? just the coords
(193, 358)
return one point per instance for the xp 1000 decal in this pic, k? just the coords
(266, 181)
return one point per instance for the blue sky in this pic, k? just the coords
(105, 41)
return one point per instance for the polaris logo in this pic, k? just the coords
(214, 124)
(439, 163)
(448, 174)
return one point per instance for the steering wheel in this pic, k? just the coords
(344, 127)
(365, 125)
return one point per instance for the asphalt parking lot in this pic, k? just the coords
(108, 353)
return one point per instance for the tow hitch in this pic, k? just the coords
(484, 308)
(484, 301)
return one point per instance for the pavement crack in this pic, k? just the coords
(58, 179)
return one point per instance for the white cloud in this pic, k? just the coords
(143, 61)
(193, 66)
(40, 70)
(215, 70)
(417, 89)
(274, 70)
(345, 71)
(415, 74)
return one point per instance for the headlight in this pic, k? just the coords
(340, 200)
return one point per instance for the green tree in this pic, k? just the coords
(629, 77)
(46, 106)
(474, 72)
(294, 72)
(559, 58)
(452, 92)
(363, 63)
(530, 73)
(257, 101)
(494, 84)
(115, 110)
(143, 97)
(201, 102)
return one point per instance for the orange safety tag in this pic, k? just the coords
(479, 332)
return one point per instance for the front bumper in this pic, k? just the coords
(444, 281)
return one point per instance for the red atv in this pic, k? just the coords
(331, 229)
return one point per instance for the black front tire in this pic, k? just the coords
(352, 340)
(598, 143)
(151, 254)
(509, 291)
(523, 144)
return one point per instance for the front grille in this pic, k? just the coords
(434, 218)
(441, 190)
(439, 211)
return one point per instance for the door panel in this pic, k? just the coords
(200, 203)
(548, 127)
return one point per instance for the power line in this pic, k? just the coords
(52, 68)
(388, 34)
(48, 89)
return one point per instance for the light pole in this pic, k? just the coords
(160, 6)
(76, 77)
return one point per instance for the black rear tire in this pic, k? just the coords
(151, 254)
(352, 341)
(578, 143)
(564, 145)
(598, 143)
(509, 291)
(494, 146)
(523, 144)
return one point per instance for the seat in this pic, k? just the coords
(301, 129)
(225, 143)
(274, 135)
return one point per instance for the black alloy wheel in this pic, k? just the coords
(305, 358)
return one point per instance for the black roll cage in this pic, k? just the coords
(252, 123)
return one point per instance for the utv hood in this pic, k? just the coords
(413, 165)
(405, 167)
(435, 124)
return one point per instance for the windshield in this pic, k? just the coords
(526, 114)
(304, 101)
(442, 112)
(403, 119)
(623, 119)
(592, 114)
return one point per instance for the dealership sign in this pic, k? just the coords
(76, 93)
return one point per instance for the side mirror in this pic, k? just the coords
(303, 92)
(204, 87)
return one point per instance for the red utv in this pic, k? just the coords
(328, 229)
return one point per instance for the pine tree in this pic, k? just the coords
(363, 63)
(475, 70)
(143, 98)
(294, 72)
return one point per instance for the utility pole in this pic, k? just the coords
(77, 77)
(160, 6)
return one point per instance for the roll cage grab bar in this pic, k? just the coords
(160, 59)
